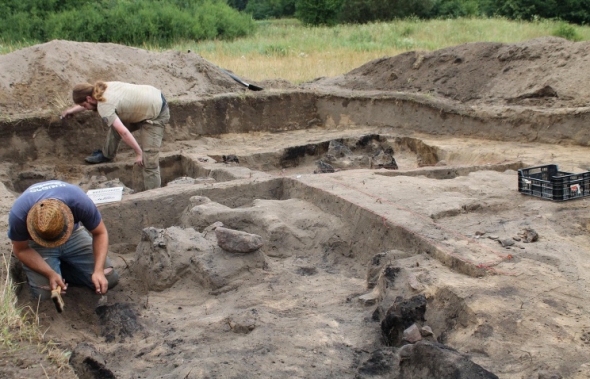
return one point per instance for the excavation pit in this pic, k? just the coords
(340, 248)
(175, 279)
(172, 167)
(321, 231)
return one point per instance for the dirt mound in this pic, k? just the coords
(537, 72)
(40, 78)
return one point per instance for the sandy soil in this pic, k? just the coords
(341, 250)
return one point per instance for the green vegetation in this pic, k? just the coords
(574, 11)
(331, 12)
(20, 326)
(283, 35)
(566, 31)
(287, 49)
(314, 12)
(163, 22)
(267, 9)
(129, 22)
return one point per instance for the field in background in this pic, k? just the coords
(287, 50)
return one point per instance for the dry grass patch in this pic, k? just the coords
(20, 327)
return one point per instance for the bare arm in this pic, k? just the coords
(100, 243)
(71, 111)
(129, 140)
(31, 258)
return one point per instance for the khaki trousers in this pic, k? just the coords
(152, 133)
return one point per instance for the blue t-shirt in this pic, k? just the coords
(80, 204)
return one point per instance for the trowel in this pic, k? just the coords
(102, 301)
(57, 299)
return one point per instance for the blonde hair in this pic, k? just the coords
(82, 90)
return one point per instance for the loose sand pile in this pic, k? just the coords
(40, 78)
(536, 72)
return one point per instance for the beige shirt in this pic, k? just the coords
(130, 102)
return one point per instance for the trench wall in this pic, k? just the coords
(427, 115)
(368, 232)
(34, 138)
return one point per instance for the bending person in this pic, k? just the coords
(47, 238)
(125, 108)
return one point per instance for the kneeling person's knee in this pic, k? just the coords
(112, 277)
(40, 293)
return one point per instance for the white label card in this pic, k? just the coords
(105, 195)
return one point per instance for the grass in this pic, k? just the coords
(20, 328)
(288, 50)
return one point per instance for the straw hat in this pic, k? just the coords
(50, 222)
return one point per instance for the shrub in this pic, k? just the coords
(456, 8)
(363, 11)
(238, 4)
(265, 9)
(577, 11)
(276, 50)
(566, 31)
(124, 21)
(318, 12)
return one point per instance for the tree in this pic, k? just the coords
(238, 4)
(456, 8)
(318, 12)
(363, 11)
(264, 9)
(577, 11)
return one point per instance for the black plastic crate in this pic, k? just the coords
(548, 182)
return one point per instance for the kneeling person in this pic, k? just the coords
(44, 226)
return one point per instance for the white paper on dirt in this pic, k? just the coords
(105, 195)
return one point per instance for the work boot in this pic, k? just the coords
(97, 157)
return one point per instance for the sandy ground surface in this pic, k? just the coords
(340, 249)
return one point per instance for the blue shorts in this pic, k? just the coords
(74, 261)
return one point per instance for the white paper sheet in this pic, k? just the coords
(106, 195)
